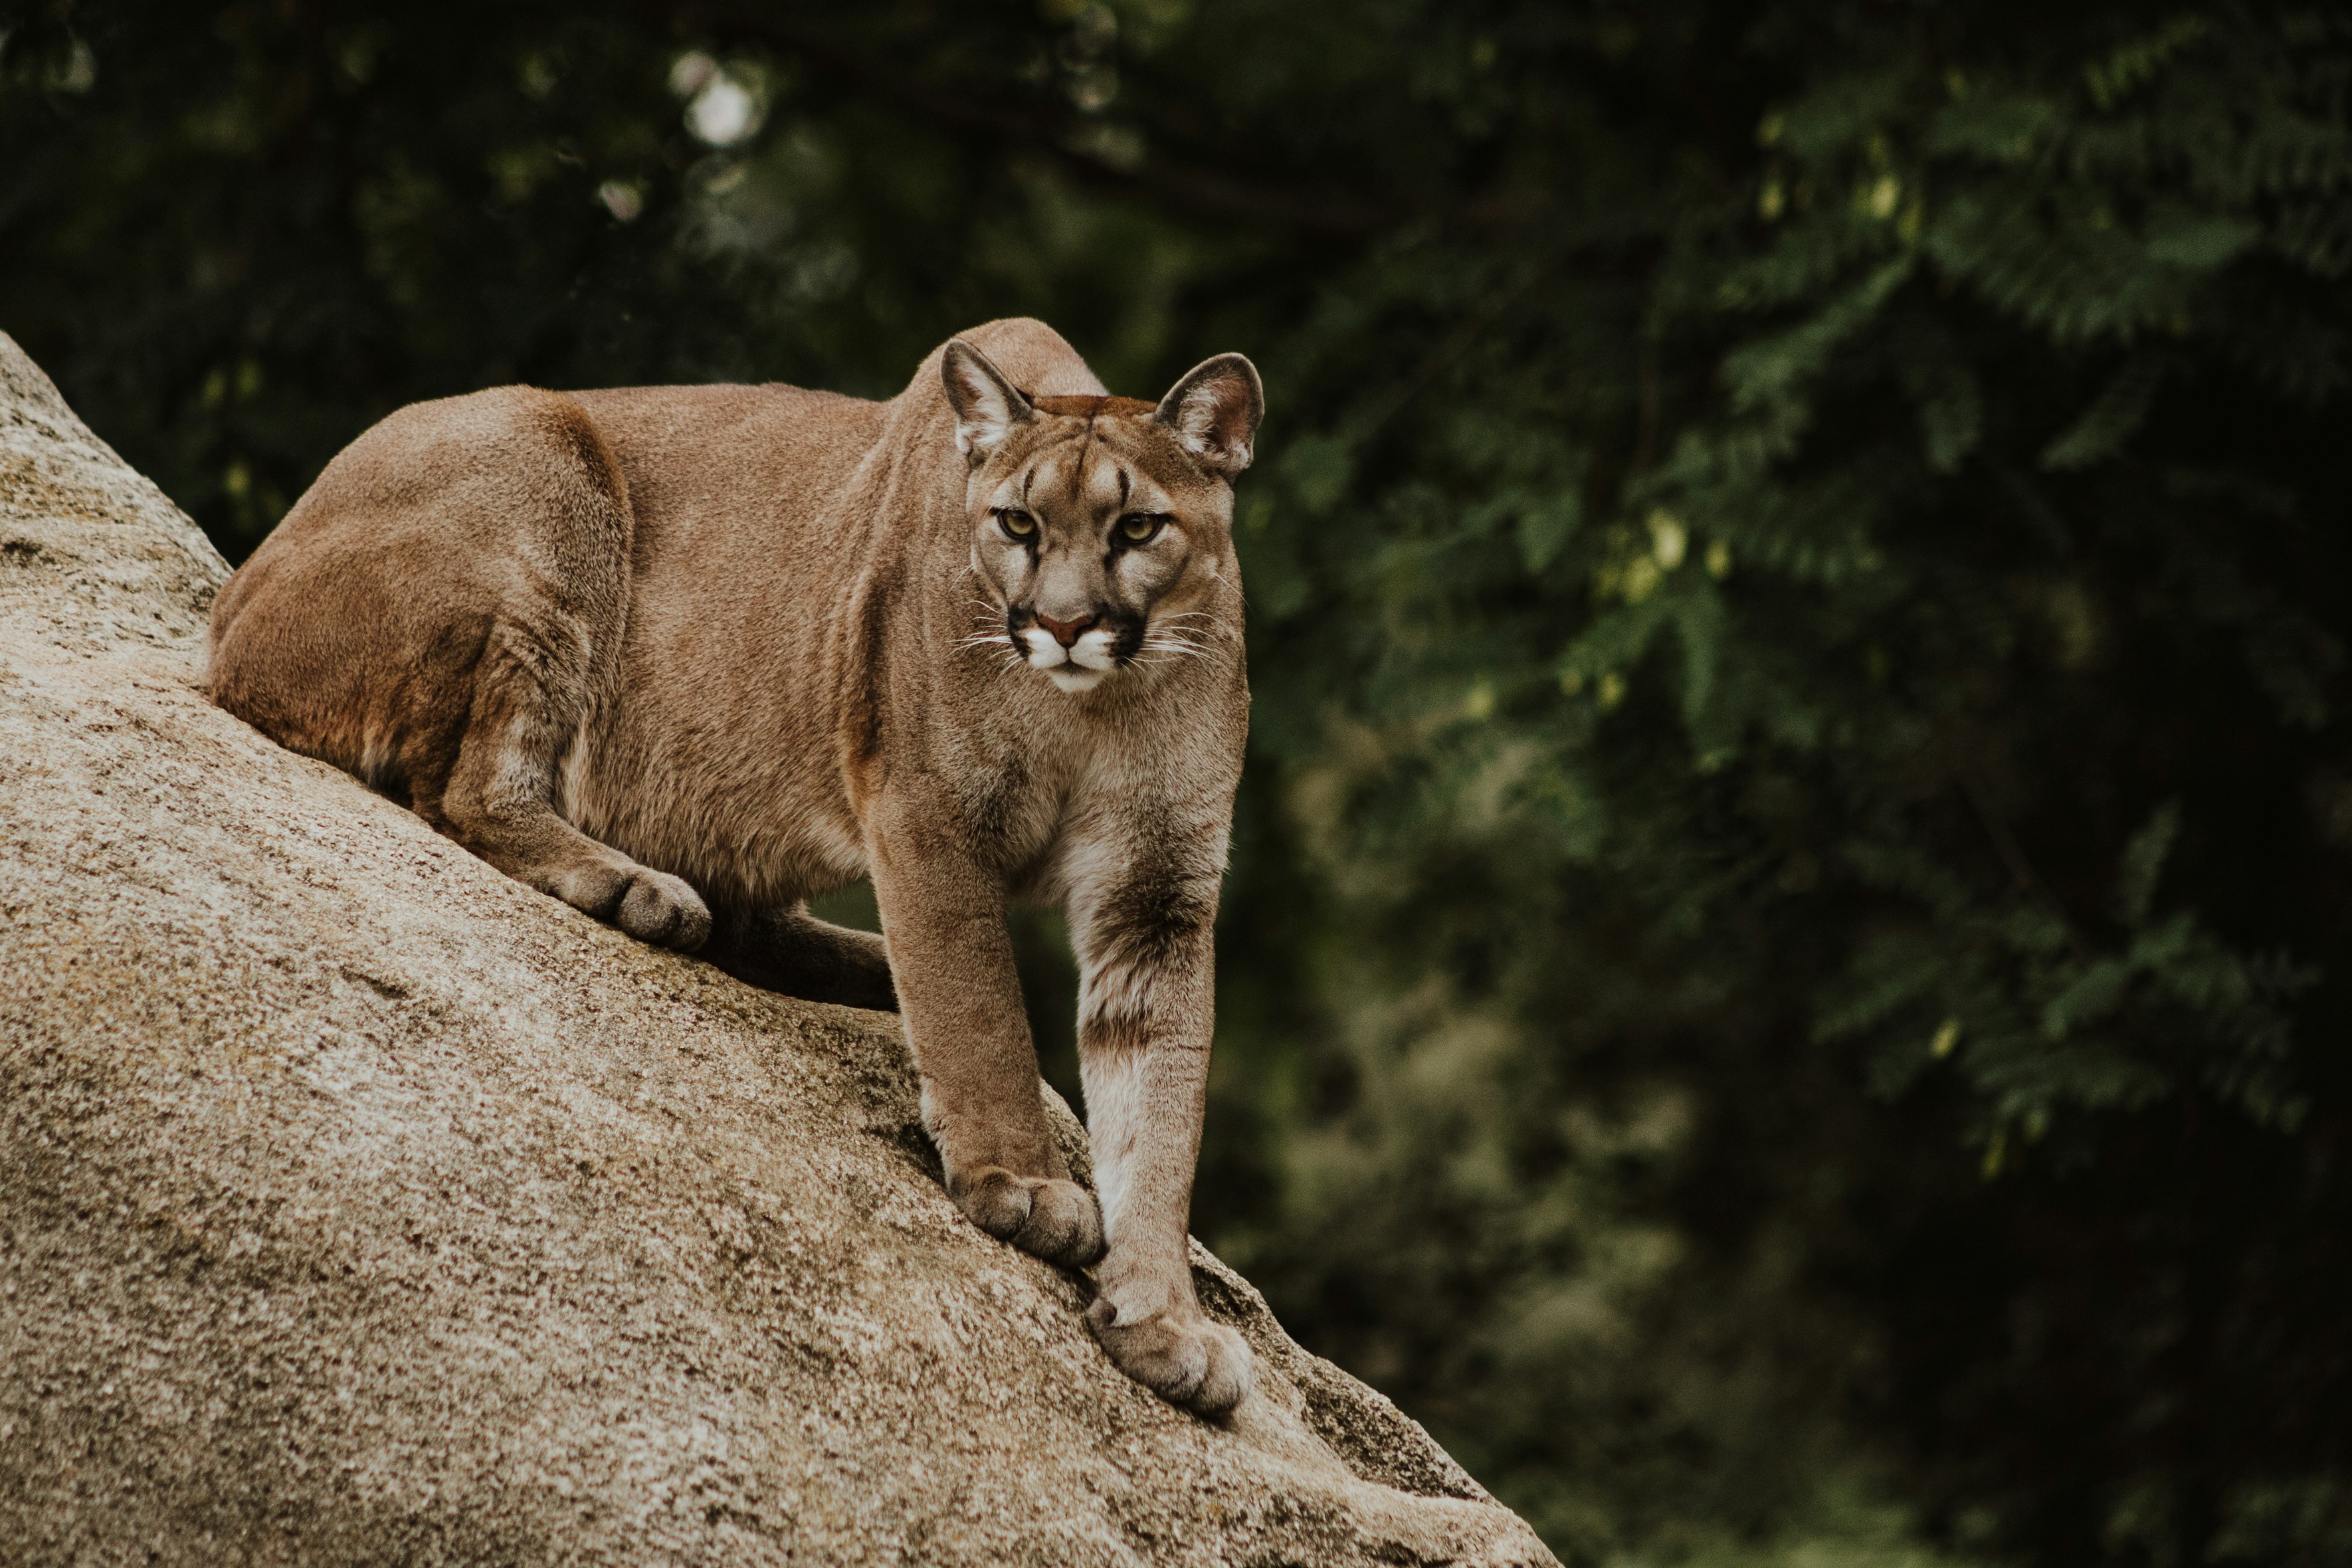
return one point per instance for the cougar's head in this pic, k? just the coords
(1104, 525)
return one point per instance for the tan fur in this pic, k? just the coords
(688, 657)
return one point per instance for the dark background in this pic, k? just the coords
(1783, 978)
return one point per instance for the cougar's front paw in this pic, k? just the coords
(662, 909)
(1054, 1219)
(1183, 1358)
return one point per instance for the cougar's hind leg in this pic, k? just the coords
(501, 798)
(550, 660)
(791, 950)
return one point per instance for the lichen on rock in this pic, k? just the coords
(358, 1205)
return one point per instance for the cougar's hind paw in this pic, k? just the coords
(1042, 1216)
(662, 909)
(1186, 1359)
(1065, 1226)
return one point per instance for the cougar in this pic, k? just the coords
(686, 657)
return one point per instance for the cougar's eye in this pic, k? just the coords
(1137, 527)
(1016, 523)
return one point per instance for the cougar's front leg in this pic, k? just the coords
(951, 957)
(1146, 1012)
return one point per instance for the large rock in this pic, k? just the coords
(358, 1205)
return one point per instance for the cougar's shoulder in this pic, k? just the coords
(734, 457)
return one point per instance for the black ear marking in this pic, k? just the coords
(1214, 409)
(988, 407)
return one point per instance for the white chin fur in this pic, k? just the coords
(1074, 668)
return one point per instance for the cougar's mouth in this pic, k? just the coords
(1078, 665)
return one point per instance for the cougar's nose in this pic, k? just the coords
(1065, 632)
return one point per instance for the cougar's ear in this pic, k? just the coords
(988, 408)
(1214, 409)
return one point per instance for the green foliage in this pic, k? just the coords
(1781, 981)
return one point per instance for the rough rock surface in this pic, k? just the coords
(358, 1205)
